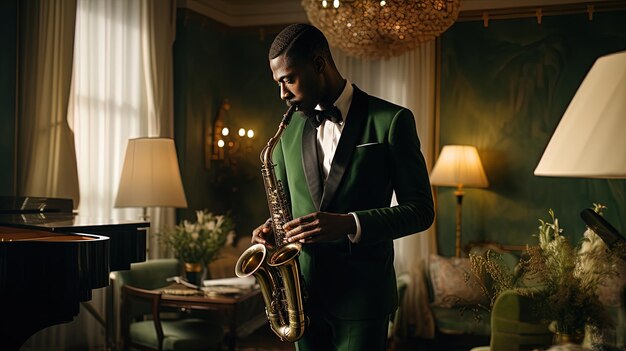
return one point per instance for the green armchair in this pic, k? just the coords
(126, 310)
(149, 275)
(515, 325)
(148, 331)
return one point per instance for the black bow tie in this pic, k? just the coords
(332, 114)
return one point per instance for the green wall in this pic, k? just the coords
(8, 66)
(212, 63)
(504, 89)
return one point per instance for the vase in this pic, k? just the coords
(194, 272)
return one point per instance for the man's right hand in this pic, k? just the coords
(263, 234)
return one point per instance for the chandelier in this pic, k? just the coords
(378, 29)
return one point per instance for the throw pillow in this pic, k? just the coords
(449, 286)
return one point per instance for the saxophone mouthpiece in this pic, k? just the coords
(287, 116)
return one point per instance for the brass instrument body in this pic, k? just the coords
(277, 271)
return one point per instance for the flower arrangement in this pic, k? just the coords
(570, 277)
(564, 279)
(199, 242)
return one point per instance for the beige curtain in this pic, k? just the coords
(407, 80)
(158, 23)
(122, 88)
(47, 161)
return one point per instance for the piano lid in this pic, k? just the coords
(63, 221)
(128, 237)
(9, 234)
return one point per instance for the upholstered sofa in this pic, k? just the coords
(457, 305)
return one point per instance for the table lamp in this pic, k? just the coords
(459, 166)
(590, 140)
(150, 176)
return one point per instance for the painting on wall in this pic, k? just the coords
(504, 89)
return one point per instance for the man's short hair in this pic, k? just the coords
(299, 41)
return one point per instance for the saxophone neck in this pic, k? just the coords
(287, 116)
(266, 153)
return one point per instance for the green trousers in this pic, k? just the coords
(327, 333)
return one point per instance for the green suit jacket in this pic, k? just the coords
(378, 153)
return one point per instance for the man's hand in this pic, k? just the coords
(319, 227)
(263, 234)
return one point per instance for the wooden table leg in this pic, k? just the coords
(231, 337)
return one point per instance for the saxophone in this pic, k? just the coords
(277, 271)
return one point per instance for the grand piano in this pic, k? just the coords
(51, 259)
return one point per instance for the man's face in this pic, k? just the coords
(300, 82)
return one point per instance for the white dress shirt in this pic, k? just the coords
(328, 135)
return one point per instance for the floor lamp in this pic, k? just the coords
(589, 141)
(150, 176)
(459, 166)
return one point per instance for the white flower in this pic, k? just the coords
(230, 238)
(200, 216)
(209, 225)
(189, 227)
(199, 241)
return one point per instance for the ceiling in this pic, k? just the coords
(239, 13)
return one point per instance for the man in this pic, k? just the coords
(339, 178)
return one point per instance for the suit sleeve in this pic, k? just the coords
(410, 181)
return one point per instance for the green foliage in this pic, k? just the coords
(562, 278)
(199, 242)
(491, 274)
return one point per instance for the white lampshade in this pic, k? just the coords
(150, 176)
(459, 166)
(590, 140)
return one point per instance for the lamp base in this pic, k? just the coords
(459, 204)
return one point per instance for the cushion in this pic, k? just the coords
(455, 321)
(185, 334)
(450, 289)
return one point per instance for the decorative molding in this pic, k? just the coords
(542, 9)
(482, 5)
(248, 13)
(242, 13)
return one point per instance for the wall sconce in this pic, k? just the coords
(223, 144)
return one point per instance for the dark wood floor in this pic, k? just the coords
(264, 340)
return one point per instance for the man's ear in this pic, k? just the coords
(320, 64)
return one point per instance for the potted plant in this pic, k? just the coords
(562, 278)
(196, 244)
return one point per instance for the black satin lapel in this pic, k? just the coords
(310, 163)
(353, 129)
